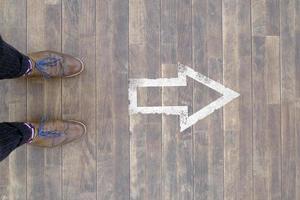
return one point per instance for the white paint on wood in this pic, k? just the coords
(182, 111)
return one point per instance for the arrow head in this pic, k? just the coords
(228, 95)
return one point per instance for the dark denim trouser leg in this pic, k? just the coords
(13, 64)
(12, 135)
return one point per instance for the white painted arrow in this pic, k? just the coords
(185, 120)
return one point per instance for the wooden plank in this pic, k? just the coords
(13, 101)
(169, 129)
(297, 90)
(258, 11)
(274, 100)
(298, 149)
(144, 62)
(288, 12)
(79, 100)
(266, 118)
(208, 134)
(237, 114)
(170, 124)
(201, 98)
(185, 139)
(265, 17)
(112, 100)
(297, 53)
(272, 17)
(44, 98)
(176, 37)
(151, 56)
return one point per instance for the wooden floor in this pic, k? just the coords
(250, 149)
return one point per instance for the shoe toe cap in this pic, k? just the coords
(75, 130)
(74, 67)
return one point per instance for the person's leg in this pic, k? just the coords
(13, 135)
(13, 64)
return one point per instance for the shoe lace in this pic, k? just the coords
(48, 133)
(44, 64)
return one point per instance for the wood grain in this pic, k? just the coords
(79, 177)
(266, 118)
(265, 17)
(201, 98)
(170, 126)
(112, 100)
(185, 139)
(288, 13)
(298, 149)
(44, 99)
(208, 134)
(145, 144)
(297, 91)
(177, 156)
(237, 114)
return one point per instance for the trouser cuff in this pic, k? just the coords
(25, 132)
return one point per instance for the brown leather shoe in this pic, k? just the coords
(57, 132)
(51, 64)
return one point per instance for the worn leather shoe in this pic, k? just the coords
(51, 64)
(57, 132)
